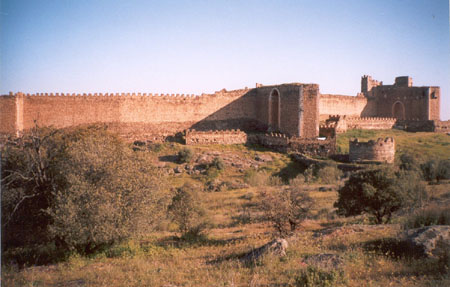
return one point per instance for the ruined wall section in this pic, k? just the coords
(381, 150)
(194, 137)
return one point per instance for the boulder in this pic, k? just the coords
(433, 241)
(277, 247)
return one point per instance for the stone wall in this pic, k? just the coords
(194, 137)
(283, 143)
(245, 109)
(299, 106)
(381, 150)
(8, 114)
(369, 123)
(346, 105)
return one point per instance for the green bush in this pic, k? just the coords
(185, 155)
(375, 192)
(328, 174)
(88, 189)
(187, 211)
(432, 215)
(408, 162)
(218, 163)
(436, 170)
(315, 277)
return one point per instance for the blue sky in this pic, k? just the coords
(204, 46)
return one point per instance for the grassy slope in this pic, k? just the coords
(160, 259)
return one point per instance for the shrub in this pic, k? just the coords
(218, 163)
(81, 189)
(443, 170)
(285, 208)
(408, 162)
(316, 277)
(432, 215)
(185, 155)
(297, 181)
(436, 170)
(187, 212)
(329, 174)
(112, 194)
(255, 178)
(429, 170)
(375, 192)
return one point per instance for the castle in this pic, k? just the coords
(295, 110)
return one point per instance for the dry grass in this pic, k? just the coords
(161, 259)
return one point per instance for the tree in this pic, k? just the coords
(82, 189)
(187, 212)
(375, 192)
(285, 208)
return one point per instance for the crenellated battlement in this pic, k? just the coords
(382, 150)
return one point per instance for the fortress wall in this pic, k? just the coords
(310, 110)
(413, 99)
(162, 113)
(293, 97)
(8, 114)
(344, 105)
(434, 99)
(64, 111)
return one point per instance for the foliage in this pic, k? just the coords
(112, 193)
(218, 163)
(436, 170)
(187, 211)
(375, 192)
(316, 277)
(329, 174)
(261, 178)
(429, 169)
(432, 215)
(408, 162)
(81, 189)
(185, 155)
(285, 208)
(30, 176)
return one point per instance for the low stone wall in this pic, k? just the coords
(194, 137)
(283, 143)
(371, 123)
(315, 147)
(381, 150)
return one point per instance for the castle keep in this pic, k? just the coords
(295, 110)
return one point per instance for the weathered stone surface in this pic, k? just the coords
(434, 240)
(277, 247)
(382, 150)
(325, 261)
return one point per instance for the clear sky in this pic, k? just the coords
(204, 46)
